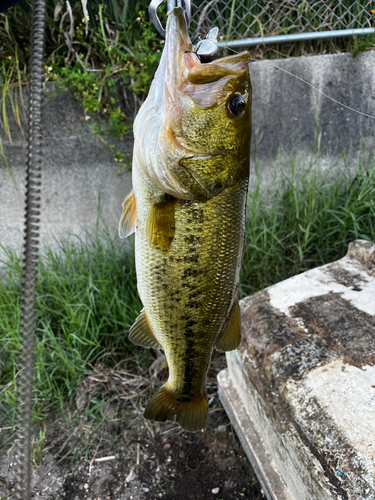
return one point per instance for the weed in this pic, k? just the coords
(307, 223)
(360, 44)
(37, 446)
(87, 301)
(107, 59)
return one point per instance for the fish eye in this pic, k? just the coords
(236, 105)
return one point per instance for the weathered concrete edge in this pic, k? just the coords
(279, 446)
(272, 485)
(289, 427)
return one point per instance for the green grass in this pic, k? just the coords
(305, 223)
(87, 301)
(87, 297)
(107, 59)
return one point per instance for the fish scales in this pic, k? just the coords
(188, 291)
(187, 208)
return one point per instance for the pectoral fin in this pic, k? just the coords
(160, 224)
(141, 333)
(128, 217)
(231, 337)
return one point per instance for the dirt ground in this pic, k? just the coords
(82, 459)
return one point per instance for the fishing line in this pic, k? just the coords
(320, 92)
(310, 85)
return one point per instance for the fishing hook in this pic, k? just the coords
(207, 48)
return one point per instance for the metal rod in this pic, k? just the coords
(300, 37)
(153, 7)
(30, 255)
(171, 4)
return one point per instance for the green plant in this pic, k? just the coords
(104, 92)
(10, 77)
(308, 222)
(106, 56)
(37, 446)
(360, 44)
(87, 301)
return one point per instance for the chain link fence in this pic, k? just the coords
(257, 21)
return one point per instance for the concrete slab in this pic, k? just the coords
(293, 121)
(303, 381)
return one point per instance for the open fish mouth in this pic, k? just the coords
(184, 63)
(182, 69)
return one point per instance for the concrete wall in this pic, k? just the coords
(77, 169)
(288, 117)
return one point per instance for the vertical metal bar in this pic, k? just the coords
(30, 256)
(171, 4)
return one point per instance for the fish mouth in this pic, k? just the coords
(181, 80)
(183, 65)
(179, 57)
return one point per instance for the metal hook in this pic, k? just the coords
(152, 10)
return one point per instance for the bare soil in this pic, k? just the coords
(125, 457)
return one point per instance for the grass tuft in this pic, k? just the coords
(305, 223)
(87, 301)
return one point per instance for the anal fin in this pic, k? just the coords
(128, 217)
(231, 337)
(160, 224)
(141, 333)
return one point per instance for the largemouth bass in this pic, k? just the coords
(187, 208)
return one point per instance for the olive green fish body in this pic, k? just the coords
(187, 208)
(189, 292)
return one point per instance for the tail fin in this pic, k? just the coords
(165, 405)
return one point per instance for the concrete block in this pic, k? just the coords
(300, 390)
(290, 118)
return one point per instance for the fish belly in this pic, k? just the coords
(188, 291)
